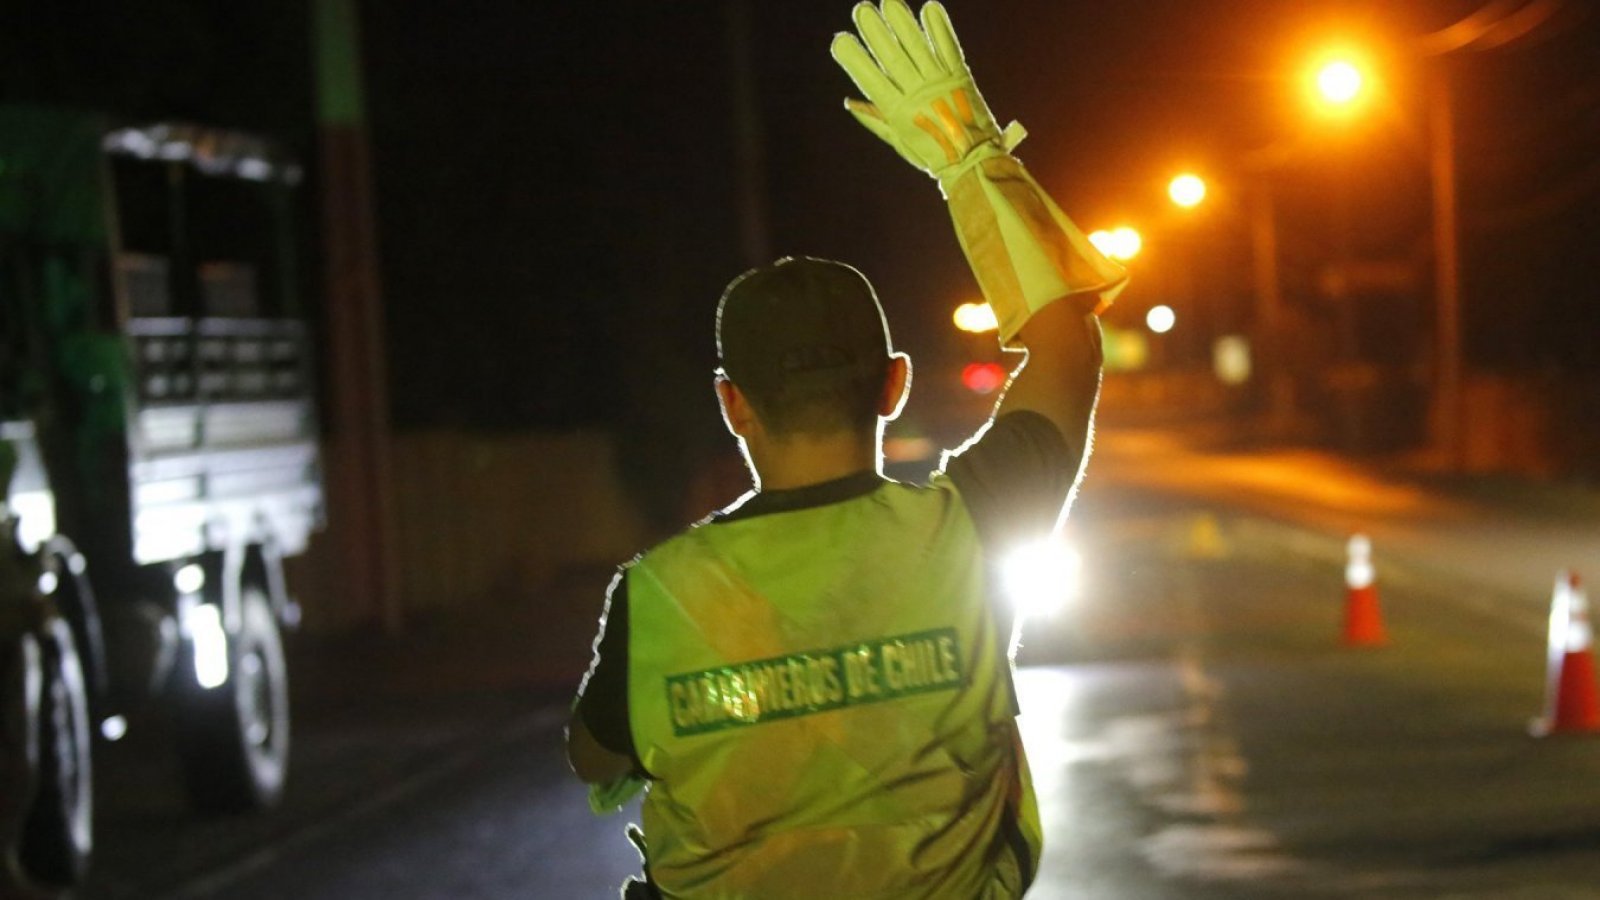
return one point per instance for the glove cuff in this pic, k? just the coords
(1023, 249)
(1001, 144)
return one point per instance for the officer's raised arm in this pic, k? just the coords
(1045, 282)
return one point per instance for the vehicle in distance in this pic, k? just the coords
(158, 460)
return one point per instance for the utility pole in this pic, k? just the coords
(361, 513)
(1270, 331)
(1447, 267)
(1494, 26)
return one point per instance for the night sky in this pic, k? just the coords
(558, 182)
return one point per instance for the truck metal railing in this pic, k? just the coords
(183, 360)
(222, 428)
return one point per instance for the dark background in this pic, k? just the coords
(557, 182)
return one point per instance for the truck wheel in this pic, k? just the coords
(59, 834)
(233, 739)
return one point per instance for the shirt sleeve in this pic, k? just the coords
(1014, 478)
(603, 694)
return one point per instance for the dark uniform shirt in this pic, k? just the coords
(1014, 479)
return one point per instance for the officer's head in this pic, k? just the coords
(804, 344)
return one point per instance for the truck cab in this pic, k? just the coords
(157, 408)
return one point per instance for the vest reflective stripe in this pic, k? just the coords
(821, 696)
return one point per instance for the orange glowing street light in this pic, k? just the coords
(1121, 244)
(1160, 319)
(976, 318)
(1340, 83)
(1187, 190)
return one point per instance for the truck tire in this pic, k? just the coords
(59, 833)
(233, 740)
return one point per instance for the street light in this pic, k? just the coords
(1338, 85)
(1187, 190)
(1104, 242)
(1340, 82)
(1121, 244)
(976, 318)
(1129, 243)
(1160, 319)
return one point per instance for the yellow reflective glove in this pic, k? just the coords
(921, 100)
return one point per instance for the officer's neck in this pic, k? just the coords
(801, 460)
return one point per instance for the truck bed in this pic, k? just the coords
(222, 434)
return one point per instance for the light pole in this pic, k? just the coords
(1188, 191)
(1446, 268)
(360, 454)
(1270, 333)
(1340, 84)
(1493, 27)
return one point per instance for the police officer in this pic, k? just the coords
(813, 685)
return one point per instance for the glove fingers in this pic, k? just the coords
(911, 38)
(936, 22)
(859, 65)
(871, 118)
(885, 47)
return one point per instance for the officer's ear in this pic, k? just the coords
(737, 413)
(896, 386)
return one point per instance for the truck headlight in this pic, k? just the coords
(189, 579)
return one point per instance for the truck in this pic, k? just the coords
(158, 462)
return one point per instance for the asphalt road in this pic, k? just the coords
(1195, 728)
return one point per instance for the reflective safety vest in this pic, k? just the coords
(823, 704)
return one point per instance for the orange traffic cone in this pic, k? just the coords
(1571, 703)
(1363, 621)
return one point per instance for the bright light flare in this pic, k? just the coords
(1340, 82)
(1358, 570)
(984, 378)
(1119, 243)
(1128, 242)
(1187, 190)
(1160, 319)
(976, 318)
(35, 514)
(114, 728)
(1230, 359)
(1042, 577)
(210, 642)
(189, 579)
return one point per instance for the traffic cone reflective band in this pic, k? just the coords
(1363, 620)
(1571, 703)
